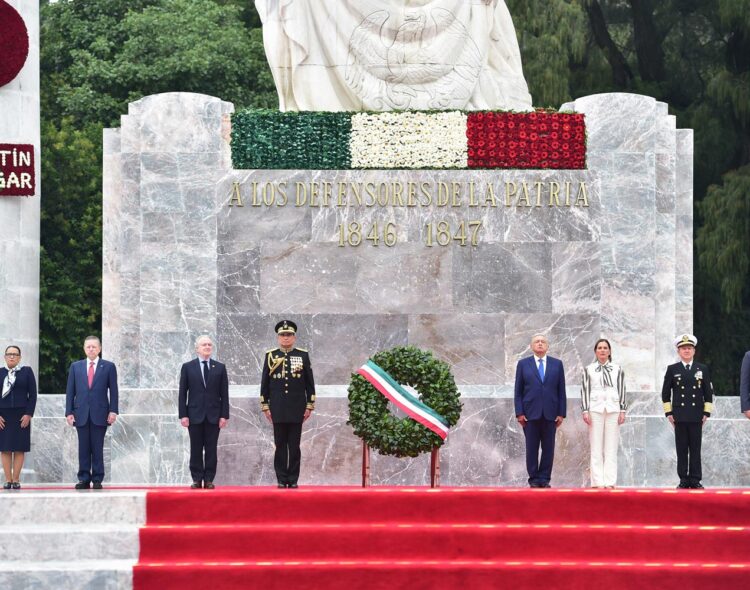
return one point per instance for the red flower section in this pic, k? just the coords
(526, 140)
(14, 43)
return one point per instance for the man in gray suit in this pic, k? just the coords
(745, 385)
(204, 409)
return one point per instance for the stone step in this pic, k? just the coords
(61, 542)
(23, 508)
(82, 574)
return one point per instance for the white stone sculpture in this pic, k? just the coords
(380, 55)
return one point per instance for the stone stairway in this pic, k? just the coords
(68, 539)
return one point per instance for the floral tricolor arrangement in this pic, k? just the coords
(266, 139)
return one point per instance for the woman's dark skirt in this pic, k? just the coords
(13, 437)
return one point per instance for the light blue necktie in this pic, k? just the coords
(541, 369)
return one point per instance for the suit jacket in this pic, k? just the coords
(687, 395)
(91, 404)
(535, 399)
(287, 387)
(199, 402)
(23, 392)
(745, 383)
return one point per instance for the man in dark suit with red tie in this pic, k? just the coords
(91, 406)
(541, 406)
(203, 402)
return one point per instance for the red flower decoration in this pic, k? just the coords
(526, 140)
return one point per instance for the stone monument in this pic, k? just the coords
(19, 178)
(193, 246)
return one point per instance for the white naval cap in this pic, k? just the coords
(685, 339)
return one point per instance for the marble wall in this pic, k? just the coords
(183, 258)
(19, 216)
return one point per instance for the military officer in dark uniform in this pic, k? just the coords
(287, 398)
(687, 394)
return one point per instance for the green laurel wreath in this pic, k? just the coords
(403, 437)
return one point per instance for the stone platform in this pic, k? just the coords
(148, 446)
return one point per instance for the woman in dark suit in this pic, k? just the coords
(17, 405)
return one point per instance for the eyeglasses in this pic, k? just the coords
(12, 354)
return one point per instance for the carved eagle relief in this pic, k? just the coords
(423, 66)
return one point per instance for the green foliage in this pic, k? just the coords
(403, 437)
(550, 34)
(71, 247)
(97, 56)
(269, 139)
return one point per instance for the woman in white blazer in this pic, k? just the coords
(604, 405)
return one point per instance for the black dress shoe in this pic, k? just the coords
(683, 486)
(196, 485)
(292, 485)
(281, 485)
(534, 484)
(83, 485)
(545, 485)
(209, 485)
(97, 485)
(697, 486)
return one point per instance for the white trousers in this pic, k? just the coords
(604, 436)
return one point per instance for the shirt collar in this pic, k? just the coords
(540, 358)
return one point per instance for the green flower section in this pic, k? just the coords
(269, 139)
(371, 418)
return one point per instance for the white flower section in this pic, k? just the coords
(409, 140)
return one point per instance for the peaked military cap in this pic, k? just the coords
(286, 327)
(685, 340)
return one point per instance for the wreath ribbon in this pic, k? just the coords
(415, 409)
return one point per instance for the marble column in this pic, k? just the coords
(19, 238)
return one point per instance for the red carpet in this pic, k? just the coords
(473, 537)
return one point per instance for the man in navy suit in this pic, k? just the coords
(540, 408)
(91, 406)
(203, 409)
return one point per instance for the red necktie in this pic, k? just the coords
(91, 373)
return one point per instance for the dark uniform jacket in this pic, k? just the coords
(286, 385)
(23, 392)
(687, 395)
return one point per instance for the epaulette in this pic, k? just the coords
(271, 350)
(302, 349)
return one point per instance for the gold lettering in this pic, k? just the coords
(269, 197)
(472, 200)
(510, 191)
(554, 193)
(235, 196)
(342, 193)
(442, 196)
(383, 194)
(567, 193)
(423, 187)
(411, 188)
(455, 194)
(398, 198)
(583, 195)
(327, 191)
(357, 190)
(282, 191)
(314, 194)
(301, 190)
(256, 198)
(489, 196)
(370, 190)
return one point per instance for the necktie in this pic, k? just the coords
(687, 366)
(205, 372)
(541, 369)
(91, 373)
